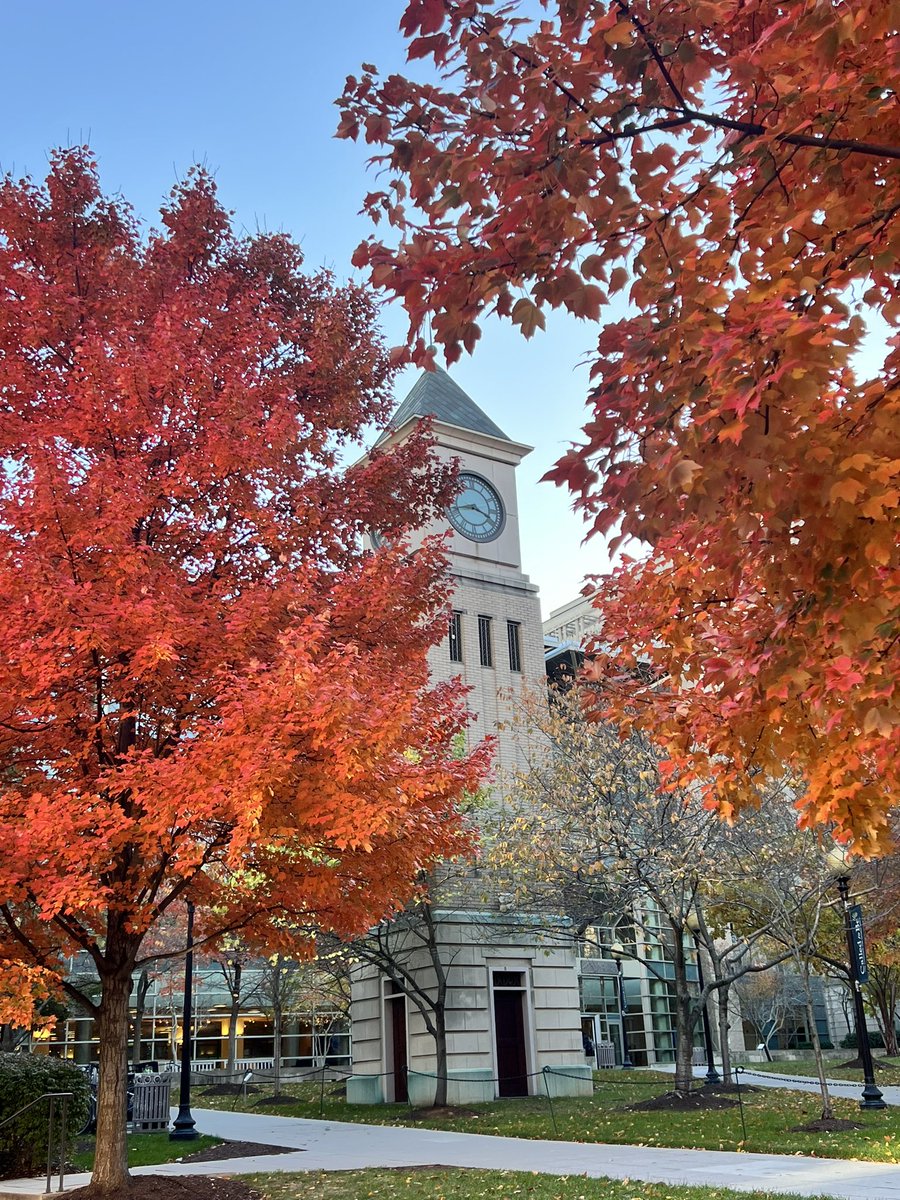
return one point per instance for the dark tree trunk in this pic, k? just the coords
(233, 983)
(276, 1059)
(233, 1016)
(684, 1047)
(684, 1018)
(891, 1048)
(882, 989)
(111, 1156)
(723, 1021)
(440, 1045)
(11, 1036)
(722, 1018)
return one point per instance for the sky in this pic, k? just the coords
(248, 90)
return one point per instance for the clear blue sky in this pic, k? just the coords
(248, 90)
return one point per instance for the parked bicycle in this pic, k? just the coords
(93, 1075)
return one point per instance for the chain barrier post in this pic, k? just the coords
(737, 1075)
(546, 1071)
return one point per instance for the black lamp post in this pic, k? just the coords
(183, 1126)
(859, 973)
(712, 1075)
(617, 950)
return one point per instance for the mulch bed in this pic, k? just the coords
(173, 1187)
(823, 1125)
(730, 1089)
(226, 1150)
(191, 1187)
(680, 1102)
(276, 1100)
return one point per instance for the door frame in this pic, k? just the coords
(523, 967)
(390, 996)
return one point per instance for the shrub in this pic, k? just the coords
(23, 1078)
(876, 1041)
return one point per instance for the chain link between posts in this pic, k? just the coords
(599, 1081)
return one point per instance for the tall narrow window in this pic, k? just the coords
(515, 645)
(456, 637)
(485, 648)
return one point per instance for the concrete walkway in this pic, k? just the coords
(341, 1146)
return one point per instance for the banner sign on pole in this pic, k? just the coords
(858, 943)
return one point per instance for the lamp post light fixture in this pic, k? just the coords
(712, 1075)
(859, 973)
(617, 950)
(183, 1126)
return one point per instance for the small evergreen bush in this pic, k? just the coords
(876, 1041)
(24, 1077)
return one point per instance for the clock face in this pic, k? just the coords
(477, 512)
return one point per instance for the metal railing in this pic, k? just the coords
(54, 1097)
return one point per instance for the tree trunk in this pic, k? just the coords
(233, 1017)
(721, 1022)
(685, 1016)
(684, 1046)
(173, 1038)
(276, 1059)
(11, 1037)
(111, 1156)
(724, 1048)
(882, 989)
(827, 1106)
(140, 1004)
(440, 1046)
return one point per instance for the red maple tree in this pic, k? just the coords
(208, 689)
(730, 171)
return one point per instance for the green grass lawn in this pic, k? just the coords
(769, 1114)
(144, 1149)
(436, 1183)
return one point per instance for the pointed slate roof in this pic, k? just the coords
(434, 394)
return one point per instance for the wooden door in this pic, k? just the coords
(398, 1061)
(509, 1030)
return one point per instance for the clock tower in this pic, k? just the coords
(510, 1001)
(495, 638)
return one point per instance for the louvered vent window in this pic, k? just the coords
(515, 645)
(485, 648)
(456, 653)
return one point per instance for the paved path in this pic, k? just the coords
(341, 1146)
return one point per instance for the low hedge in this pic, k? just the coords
(23, 1078)
(876, 1040)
